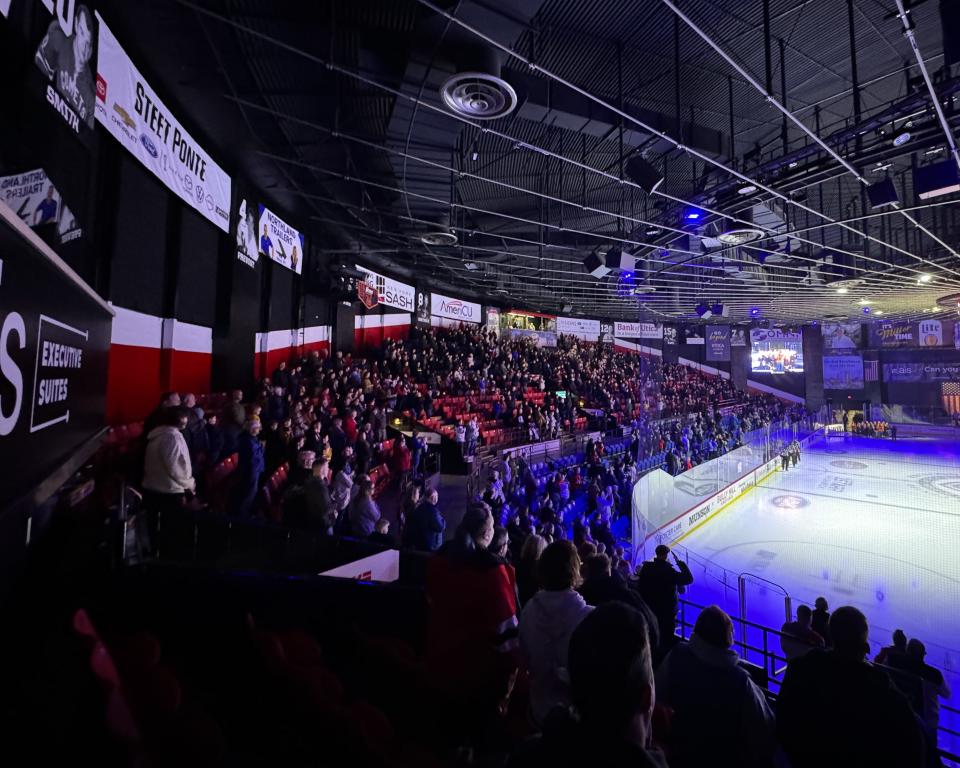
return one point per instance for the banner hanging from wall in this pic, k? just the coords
(842, 372)
(911, 373)
(894, 334)
(54, 343)
(245, 229)
(637, 330)
(606, 333)
(454, 309)
(493, 320)
(718, 343)
(422, 314)
(37, 203)
(738, 337)
(65, 59)
(130, 111)
(580, 327)
(670, 334)
(385, 290)
(279, 241)
(842, 336)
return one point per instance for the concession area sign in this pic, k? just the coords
(54, 343)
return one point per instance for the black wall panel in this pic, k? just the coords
(195, 300)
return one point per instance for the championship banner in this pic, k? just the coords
(842, 336)
(738, 337)
(246, 233)
(54, 343)
(386, 291)
(454, 309)
(130, 110)
(718, 343)
(637, 330)
(842, 372)
(279, 241)
(890, 335)
(580, 327)
(911, 373)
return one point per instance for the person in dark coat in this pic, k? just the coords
(601, 586)
(659, 582)
(276, 409)
(612, 684)
(821, 619)
(425, 527)
(281, 377)
(311, 508)
(836, 709)
(212, 439)
(250, 466)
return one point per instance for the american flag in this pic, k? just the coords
(870, 370)
(951, 396)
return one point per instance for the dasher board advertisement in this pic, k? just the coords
(54, 343)
(130, 110)
(279, 241)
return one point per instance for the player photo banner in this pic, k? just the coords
(670, 334)
(842, 372)
(246, 231)
(842, 336)
(65, 58)
(130, 110)
(718, 343)
(279, 241)
(738, 337)
(37, 203)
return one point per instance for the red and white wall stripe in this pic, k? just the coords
(150, 355)
(272, 347)
(372, 330)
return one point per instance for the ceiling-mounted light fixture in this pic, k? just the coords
(652, 231)
(740, 236)
(842, 291)
(901, 138)
(926, 277)
(747, 189)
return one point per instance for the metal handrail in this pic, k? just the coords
(770, 658)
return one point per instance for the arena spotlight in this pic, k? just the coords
(866, 310)
(842, 291)
(926, 277)
(754, 311)
(692, 214)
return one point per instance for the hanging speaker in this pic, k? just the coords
(643, 173)
(595, 266)
(882, 193)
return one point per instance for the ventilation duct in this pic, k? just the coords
(477, 90)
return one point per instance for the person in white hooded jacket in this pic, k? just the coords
(167, 471)
(546, 624)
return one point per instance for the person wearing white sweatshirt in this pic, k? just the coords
(167, 471)
(546, 624)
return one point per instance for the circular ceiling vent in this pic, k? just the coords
(741, 236)
(478, 95)
(439, 238)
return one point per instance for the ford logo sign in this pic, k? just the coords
(149, 145)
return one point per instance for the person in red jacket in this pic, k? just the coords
(350, 426)
(472, 642)
(401, 460)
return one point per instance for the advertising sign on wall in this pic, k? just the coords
(842, 372)
(894, 334)
(37, 203)
(387, 291)
(911, 373)
(130, 110)
(582, 328)
(54, 342)
(637, 330)
(279, 241)
(454, 309)
(718, 343)
(930, 333)
(841, 336)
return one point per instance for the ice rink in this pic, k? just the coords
(864, 522)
